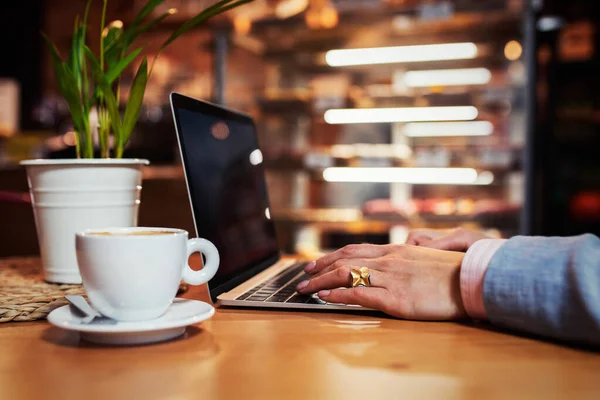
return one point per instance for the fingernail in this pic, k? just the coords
(302, 285)
(324, 293)
(310, 266)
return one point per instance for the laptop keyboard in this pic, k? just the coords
(282, 288)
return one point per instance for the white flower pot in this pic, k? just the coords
(72, 195)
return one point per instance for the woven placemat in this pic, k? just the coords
(24, 296)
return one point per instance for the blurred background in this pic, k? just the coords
(523, 77)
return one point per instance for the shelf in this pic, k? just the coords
(315, 162)
(163, 172)
(353, 221)
(341, 220)
(316, 215)
(338, 216)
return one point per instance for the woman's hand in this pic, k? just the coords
(406, 281)
(459, 239)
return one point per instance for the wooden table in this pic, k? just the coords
(247, 354)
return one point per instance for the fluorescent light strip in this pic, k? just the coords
(415, 176)
(371, 150)
(401, 54)
(447, 77)
(407, 114)
(433, 129)
(484, 178)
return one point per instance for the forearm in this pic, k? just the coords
(546, 286)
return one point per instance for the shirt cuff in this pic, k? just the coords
(472, 272)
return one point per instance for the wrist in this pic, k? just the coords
(472, 273)
(461, 312)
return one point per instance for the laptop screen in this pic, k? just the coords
(226, 183)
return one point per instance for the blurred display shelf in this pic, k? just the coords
(316, 171)
(352, 219)
(466, 95)
(476, 26)
(347, 220)
(315, 215)
(332, 215)
(163, 172)
(323, 222)
(320, 157)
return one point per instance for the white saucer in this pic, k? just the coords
(172, 324)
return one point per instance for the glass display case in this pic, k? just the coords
(401, 115)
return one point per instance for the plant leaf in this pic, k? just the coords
(103, 130)
(102, 23)
(87, 11)
(76, 60)
(77, 69)
(112, 41)
(113, 35)
(63, 81)
(66, 84)
(85, 89)
(106, 92)
(145, 11)
(67, 87)
(115, 71)
(133, 31)
(66, 81)
(136, 98)
(74, 55)
(216, 9)
(131, 34)
(148, 25)
(54, 53)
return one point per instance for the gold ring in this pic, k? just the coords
(360, 277)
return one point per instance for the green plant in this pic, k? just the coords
(87, 80)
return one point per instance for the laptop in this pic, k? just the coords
(227, 190)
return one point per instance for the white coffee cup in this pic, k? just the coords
(133, 274)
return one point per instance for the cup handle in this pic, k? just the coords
(210, 266)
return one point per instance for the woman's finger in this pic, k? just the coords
(369, 297)
(340, 277)
(450, 243)
(373, 263)
(417, 238)
(457, 240)
(348, 252)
